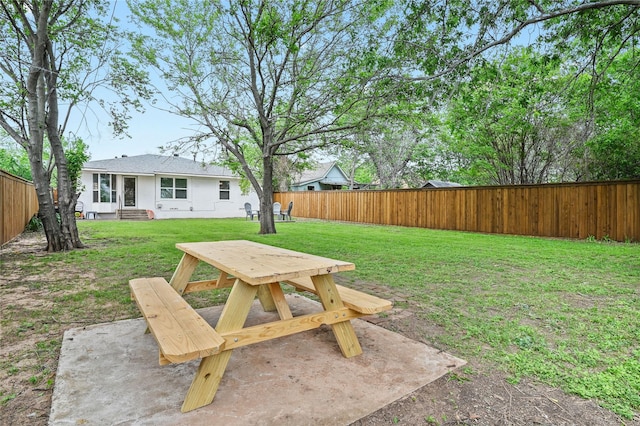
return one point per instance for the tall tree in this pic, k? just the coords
(444, 40)
(55, 53)
(285, 76)
(614, 150)
(391, 147)
(445, 37)
(353, 162)
(512, 120)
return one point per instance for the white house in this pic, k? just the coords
(162, 187)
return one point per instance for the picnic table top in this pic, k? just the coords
(256, 263)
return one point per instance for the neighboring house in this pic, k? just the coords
(440, 184)
(325, 176)
(164, 187)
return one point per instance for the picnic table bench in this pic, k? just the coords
(363, 303)
(251, 269)
(182, 334)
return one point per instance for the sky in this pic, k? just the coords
(148, 131)
(155, 127)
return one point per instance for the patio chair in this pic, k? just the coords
(287, 213)
(79, 209)
(276, 209)
(249, 212)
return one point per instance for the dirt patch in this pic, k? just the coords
(477, 395)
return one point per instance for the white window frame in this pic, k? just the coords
(171, 192)
(225, 189)
(99, 189)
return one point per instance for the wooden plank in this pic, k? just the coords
(195, 286)
(540, 210)
(183, 272)
(181, 333)
(211, 369)
(482, 214)
(632, 232)
(266, 300)
(354, 299)
(18, 204)
(280, 302)
(619, 214)
(206, 382)
(263, 332)
(343, 331)
(591, 217)
(258, 264)
(580, 219)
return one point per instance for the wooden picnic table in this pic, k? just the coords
(251, 269)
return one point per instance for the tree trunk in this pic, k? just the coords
(42, 116)
(267, 224)
(46, 209)
(67, 226)
(36, 111)
(66, 198)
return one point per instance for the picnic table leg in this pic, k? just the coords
(266, 299)
(211, 369)
(183, 272)
(224, 280)
(282, 306)
(344, 332)
(272, 299)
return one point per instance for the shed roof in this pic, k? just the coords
(150, 164)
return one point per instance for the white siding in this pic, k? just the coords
(203, 197)
(146, 196)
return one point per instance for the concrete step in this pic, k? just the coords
(132, 214)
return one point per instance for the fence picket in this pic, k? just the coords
(566, 210)
(18, 204)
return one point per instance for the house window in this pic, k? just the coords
(173, 188)
(311, 188)
(104, 188)
(224, 190)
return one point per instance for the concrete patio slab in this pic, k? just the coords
(108, 374)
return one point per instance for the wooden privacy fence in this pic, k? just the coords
(18, 204)
(569, 210)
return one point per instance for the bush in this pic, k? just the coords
(34, 225)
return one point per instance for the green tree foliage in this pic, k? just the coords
(512, 122)
(77, 153)
(283, 76)
(353, 163)
(443, 38)
(391, 147)
(53, 54)
(448, 41)
(614, 150)
(14, 160)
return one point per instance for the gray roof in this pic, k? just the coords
(317, 174)
(150, 164)
(439, 184)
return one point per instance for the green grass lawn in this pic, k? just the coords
(563, 312)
